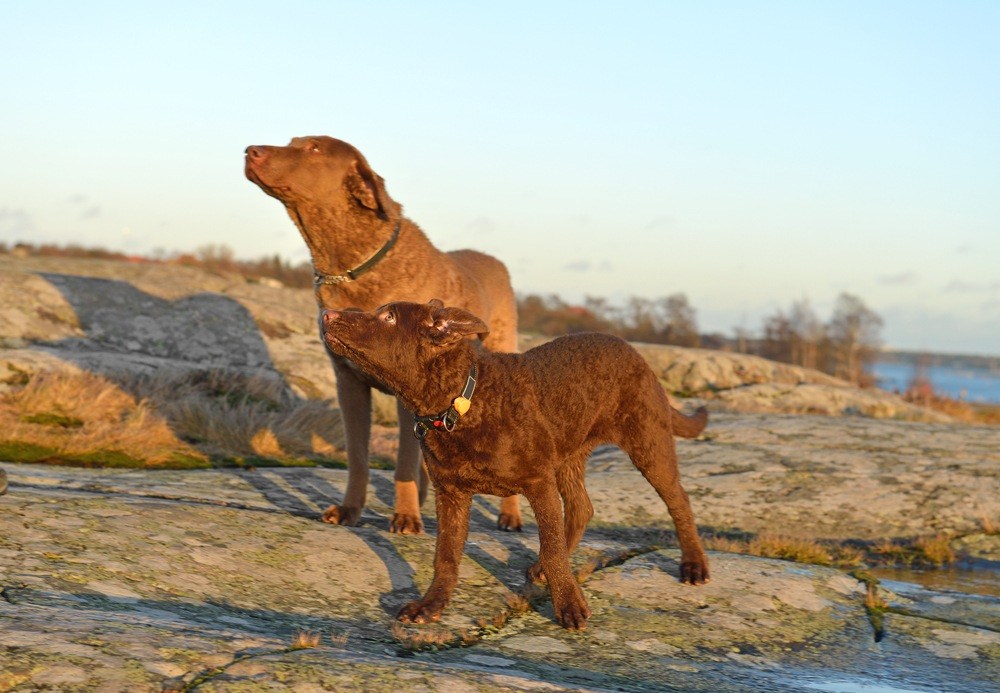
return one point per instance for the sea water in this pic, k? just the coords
(970, 384)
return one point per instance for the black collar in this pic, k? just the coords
(447, 419)
(352, 274)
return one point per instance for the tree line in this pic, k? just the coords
(844, 346)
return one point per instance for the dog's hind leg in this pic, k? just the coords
(406, 513)
(568, 602)
(577, 508)
(648, 441)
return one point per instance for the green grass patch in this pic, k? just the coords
(53, 419)
(875, 605)
(17, 451)
(25, 453)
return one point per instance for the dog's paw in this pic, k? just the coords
(535, 574)
(509, 517)
(404, 523)
(694, 572)
(342, 515)
(420, 612)
(509, 522)
(574, 615)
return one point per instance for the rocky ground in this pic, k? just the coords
(224, 579)
(203, 580)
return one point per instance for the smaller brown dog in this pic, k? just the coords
(520, 423)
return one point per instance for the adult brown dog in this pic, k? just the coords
(520, 423)
(365, 253)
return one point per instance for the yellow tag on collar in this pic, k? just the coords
(461, 405)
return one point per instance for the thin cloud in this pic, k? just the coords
(588, 266)
(91, 212)
(900, 279)
(959, 286)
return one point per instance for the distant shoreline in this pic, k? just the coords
(948, 360)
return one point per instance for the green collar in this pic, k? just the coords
(352, 274)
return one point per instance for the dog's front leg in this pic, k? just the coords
(355, 400)
(570, 607)
(453, 528)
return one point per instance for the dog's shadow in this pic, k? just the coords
(304, 492)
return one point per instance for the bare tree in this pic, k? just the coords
(681, 325)
(741, 339)
(777, 338)
(854, 337)
(642, 323)
(806, 334)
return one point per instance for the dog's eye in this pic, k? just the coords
(313, 147)
(389, 317)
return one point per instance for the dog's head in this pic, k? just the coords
(401, 343)
(319, 172)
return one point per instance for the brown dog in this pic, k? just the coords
(365, 253)
(520, 423)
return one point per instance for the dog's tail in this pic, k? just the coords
(688, 426)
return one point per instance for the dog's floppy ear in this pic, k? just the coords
(368, 188)
(454, 324)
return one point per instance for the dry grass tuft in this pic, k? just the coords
(873, 600)
(338, 639)
(774, 546)
(937, 549)
(74, 415)
(305, 640)
(233, 413)
(518, 604)
(430, 637)
(922, 552)
(164, 419)
(989, 526)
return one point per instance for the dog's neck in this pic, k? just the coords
(440, 381)
(339, 240)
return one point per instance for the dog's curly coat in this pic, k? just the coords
(533, 420)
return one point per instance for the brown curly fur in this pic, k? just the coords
(534, 419)
(341, 207)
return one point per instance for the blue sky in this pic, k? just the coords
(747, 154)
